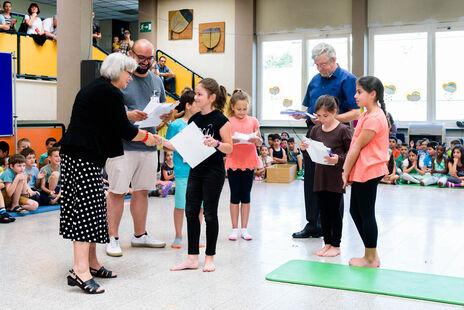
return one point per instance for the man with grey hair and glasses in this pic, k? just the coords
(335, 81)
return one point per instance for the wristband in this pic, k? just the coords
(146, 137)
(218, 144)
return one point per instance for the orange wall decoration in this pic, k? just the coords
(37, 136)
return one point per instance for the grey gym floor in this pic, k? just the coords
(420, 230)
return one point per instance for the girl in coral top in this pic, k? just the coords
(241, 163)
(365, 165)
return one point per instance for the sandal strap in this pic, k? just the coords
(102, 272)
(90, 285)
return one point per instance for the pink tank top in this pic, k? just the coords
(243, 156)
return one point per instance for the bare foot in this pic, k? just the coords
(322, 251)
(332, 252)
(209, 264)
(189, 263)
(363, 262)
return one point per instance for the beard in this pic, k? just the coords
(142, 69)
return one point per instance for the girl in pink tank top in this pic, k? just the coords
(243, 160)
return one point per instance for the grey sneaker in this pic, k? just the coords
(113, 248)
(177, 243)
(147, 241)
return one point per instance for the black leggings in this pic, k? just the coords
(240, 183)
(331, 210)
(206, 188)
(362, 210)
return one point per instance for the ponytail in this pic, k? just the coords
(371, 83)
(237, 95)
(212, 87)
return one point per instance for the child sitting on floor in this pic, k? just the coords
(412, 171)
(431, 154)
(166, 185)
(294, 156)
(50, 184)
(399, 161)
(265, 162)
(16, 191)
(276, 152)
(456, 167)
(439, 171)
(391, 177)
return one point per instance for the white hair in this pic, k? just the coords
(115, 64)
(323, 48)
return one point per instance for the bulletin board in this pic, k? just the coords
(6, 95)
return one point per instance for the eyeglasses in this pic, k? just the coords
(322, 65)
(126, 32)
(143, 58)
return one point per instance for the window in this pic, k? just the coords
(420, 67)
(449, 80)
(400, 62)
(341, 49)
(281, 64)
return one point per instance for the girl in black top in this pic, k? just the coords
(98, 123)
(207, 179)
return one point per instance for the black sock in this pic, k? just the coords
(140, 235)
(117, 238)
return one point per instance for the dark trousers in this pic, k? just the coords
(240, 183)
(331, 216)
(206, 188)
(311, 205)
(362, 210)
(170, 84)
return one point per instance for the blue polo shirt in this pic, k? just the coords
(341, 84)
(165, 69)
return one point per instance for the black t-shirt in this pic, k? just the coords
(169, 172)
(210, 124)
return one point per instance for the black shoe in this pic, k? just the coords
(302, 234)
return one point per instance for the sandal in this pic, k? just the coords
(102, 273)
(89, 286)
(5, 218)
(19, 210)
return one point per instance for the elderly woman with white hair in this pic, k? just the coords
(98, 125)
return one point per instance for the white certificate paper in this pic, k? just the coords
(243, 137)
(190, 144)
(317, 151)
(155, 109)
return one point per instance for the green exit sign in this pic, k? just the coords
(145, 27)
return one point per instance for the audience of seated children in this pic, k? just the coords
(439, 171)
(294, 156)
(17, 192)
(392, 144)
(5, 218)
(456, 167)
(4, 149)
(43, 159)
(265, 161)
(34, 177)
(391, 177)
(23, 143)
(3, 164)
(166, 184)
(399, 161)
(431, 154)
(276, 152)
(412, 170)
(50, 184)
(453, 143)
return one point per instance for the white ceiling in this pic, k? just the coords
(126, 10)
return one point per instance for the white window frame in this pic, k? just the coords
(345, 33)
(430, 29)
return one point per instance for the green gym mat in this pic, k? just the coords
(372, 280)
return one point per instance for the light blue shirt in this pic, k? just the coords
(181, 168)
(7, 176)
(33, 173)
(2, 19)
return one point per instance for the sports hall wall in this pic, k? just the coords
(220, 66)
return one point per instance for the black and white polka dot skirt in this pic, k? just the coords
(83, 201)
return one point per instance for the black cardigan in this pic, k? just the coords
(98, 123)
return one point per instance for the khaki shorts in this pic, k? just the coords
(22, 200)
(135, 169)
